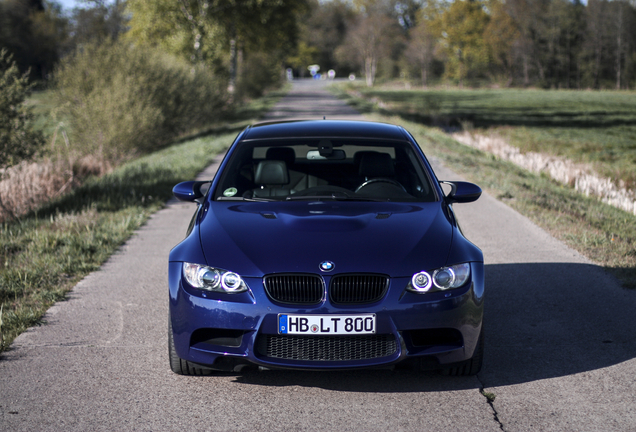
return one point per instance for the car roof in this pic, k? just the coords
(324, 129)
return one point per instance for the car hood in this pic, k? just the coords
(254, 239)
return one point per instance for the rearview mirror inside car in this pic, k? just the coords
(334, 155)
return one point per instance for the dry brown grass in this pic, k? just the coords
(29, 185)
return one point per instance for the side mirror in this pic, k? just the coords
(189, 191)
(462, 192)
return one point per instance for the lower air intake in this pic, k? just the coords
(327, 348)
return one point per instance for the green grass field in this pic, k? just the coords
(597, 128)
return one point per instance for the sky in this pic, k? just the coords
(67, 4)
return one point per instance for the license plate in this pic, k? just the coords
(326, 324)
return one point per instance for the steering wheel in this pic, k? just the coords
(381, 180)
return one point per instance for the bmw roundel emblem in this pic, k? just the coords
(327, 266)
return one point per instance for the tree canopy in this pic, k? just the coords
(17, 140)
(545, 43)
(217, 32)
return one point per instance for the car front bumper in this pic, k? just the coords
(222, 331)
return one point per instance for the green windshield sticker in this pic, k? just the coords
(230, 192)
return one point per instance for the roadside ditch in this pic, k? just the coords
(580, 176)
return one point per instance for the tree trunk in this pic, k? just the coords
(597, 67)
(626, 69)
(197, 24)
(370, 65)
(233, 62)
(424, 75)
(541, 70)
(568, 53)
(198, 52)
(619, 45)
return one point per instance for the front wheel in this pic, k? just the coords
(471, 366)
(177, 364)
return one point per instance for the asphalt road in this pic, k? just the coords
(560, 348)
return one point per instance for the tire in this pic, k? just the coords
(180, 366)
(471, 366)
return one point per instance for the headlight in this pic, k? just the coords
(213, 279)
(442, 279)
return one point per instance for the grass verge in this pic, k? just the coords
(44, 254)
(599, 231)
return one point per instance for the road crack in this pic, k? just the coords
(490, 398)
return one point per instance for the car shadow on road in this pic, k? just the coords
(543, 320)
(547, 320)
(365, 381)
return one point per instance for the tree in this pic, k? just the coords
(424, 39)
(623, 20)
(521, 12)
(324, 28)
(121, 99)
(500, 35)
(34, 32)
(99, 21)
(18, 141)
(215, 32)
(161, 23)
(550, 42)
(305, 55)
(196, 14)
(462, 27)
(572, 36)
(375, 7)
(370, 40)
(598, 38)
(421, 48)
(560, 31)
(259, 26)
(407, 12)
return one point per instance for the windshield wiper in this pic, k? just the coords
(256, 199)
(260, 199)
(334, 197)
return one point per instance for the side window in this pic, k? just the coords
(420, 186)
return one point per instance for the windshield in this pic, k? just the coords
(337, 169)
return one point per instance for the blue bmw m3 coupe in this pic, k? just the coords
(323, 245)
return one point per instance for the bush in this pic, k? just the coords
(259, 73)
(120, 100)
(17, 140)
